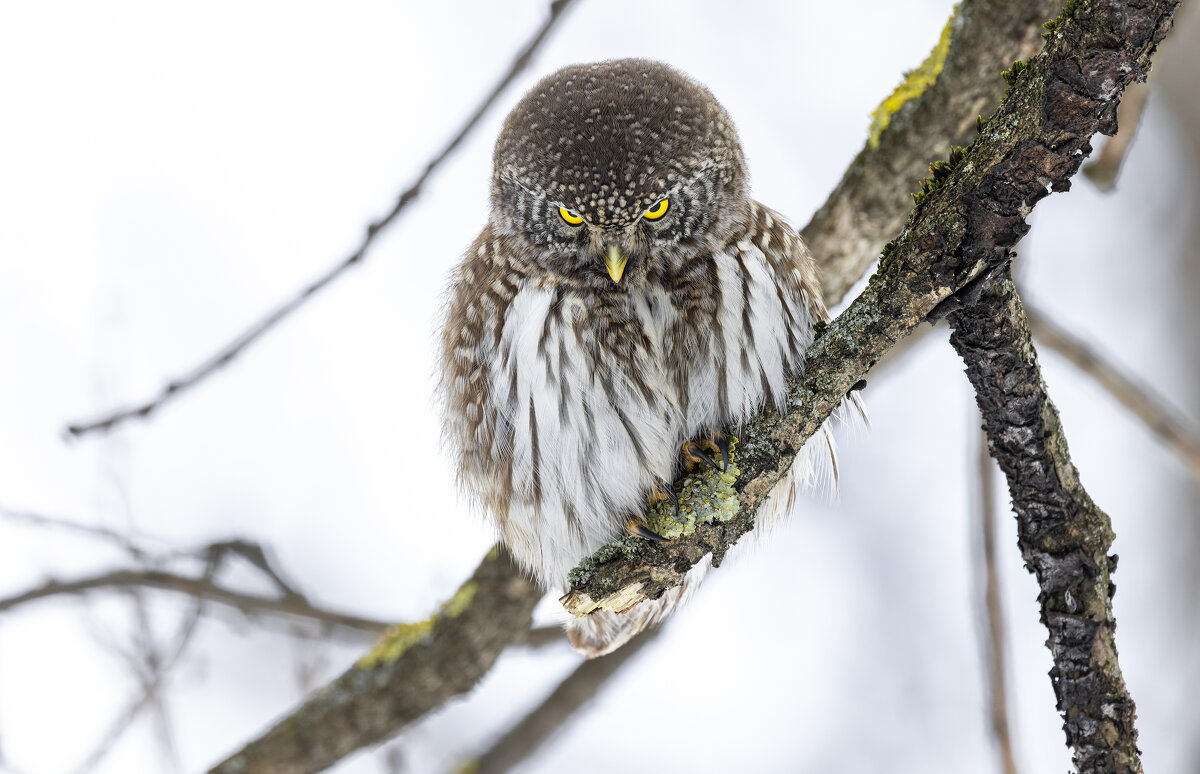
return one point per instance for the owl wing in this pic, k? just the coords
(479, 436)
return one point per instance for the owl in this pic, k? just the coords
(625, 297)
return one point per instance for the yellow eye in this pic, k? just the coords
(569, 216)
(657, 211)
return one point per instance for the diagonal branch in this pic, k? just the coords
(1063, 536)
(1155, 411)
(921, 120)
(524, 739)
(181, 384)
(962, 229)
(415, 668)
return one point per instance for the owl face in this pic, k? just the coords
(615, 170)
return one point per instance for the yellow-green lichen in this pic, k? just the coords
(399, 638)
(914, 85)
(704, 495)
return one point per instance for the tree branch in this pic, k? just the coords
(415, 668)
(962, 229)
(917, 123)
(1152, 409)
(525, 738)
(1063, 536)
(181, 384)
(956, 236)
(993, 639)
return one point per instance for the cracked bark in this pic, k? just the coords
(1063, 536)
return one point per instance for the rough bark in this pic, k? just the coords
(868, 207)
(415, 668)
(1063, 536)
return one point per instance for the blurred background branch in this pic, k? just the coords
(1153, 410)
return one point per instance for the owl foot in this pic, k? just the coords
(662, 492)
(696, 452)
(638, 528)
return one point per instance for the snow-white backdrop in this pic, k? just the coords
(169, 171)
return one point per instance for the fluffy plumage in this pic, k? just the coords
(568, 394)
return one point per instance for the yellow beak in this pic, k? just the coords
(615, 263)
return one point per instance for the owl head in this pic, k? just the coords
(616, 170)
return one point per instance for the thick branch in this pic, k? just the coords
(415, 668)
(964, 228)
(1063, 536)
(916, 124)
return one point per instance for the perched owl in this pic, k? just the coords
(626, 296)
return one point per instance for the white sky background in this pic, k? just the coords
(169, 171)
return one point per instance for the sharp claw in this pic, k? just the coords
(694, 449)
(668, 491)
(723, 443)
(639, 529)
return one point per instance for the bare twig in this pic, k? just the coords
(152, 668)
(200, 588)
(1155, 411)
(993, 643)
(122, 540)
(1064, 537)
(581, 686)
(180, 384)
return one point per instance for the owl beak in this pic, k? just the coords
(615, 262)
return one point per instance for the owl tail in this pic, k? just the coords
(603, 631)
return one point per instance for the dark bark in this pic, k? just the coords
(1063, 536)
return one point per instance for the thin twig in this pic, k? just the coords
(200, 588)
(993, 643)
(152, 668)
(1155, 411)
(180, 384)
(581, 686)
(30, 518)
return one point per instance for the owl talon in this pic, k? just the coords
(693, 453)
(638, 528)
(724, 443)
(664, 491)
